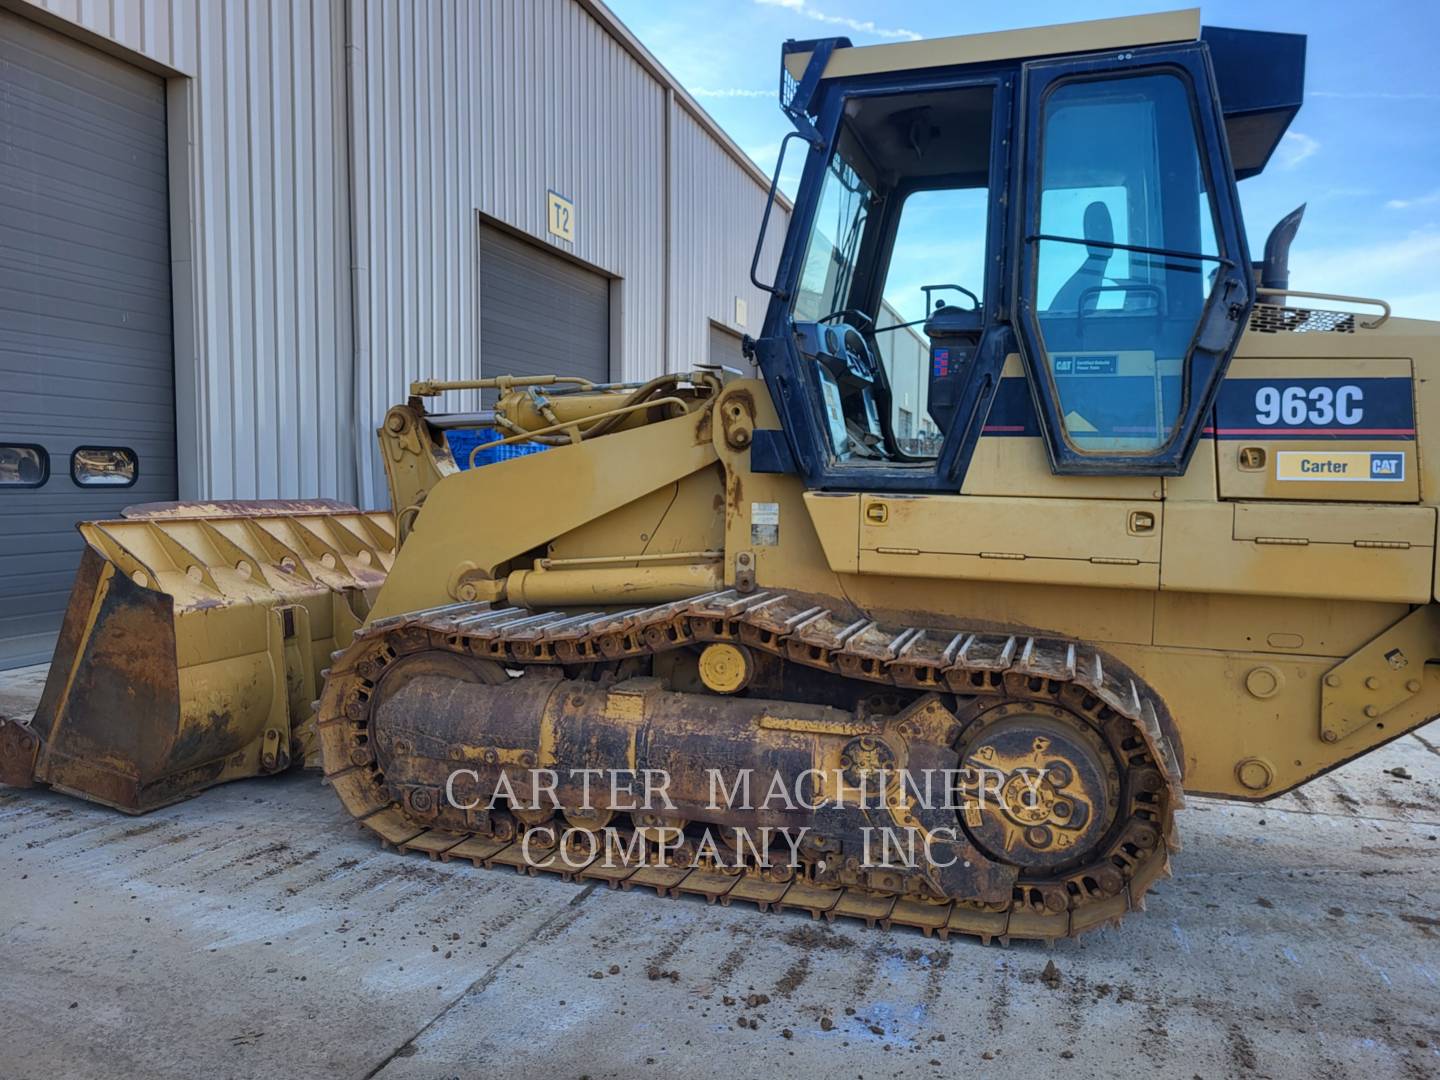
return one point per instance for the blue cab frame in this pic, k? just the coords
(1008, 301)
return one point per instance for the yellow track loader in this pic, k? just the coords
(1165, 527)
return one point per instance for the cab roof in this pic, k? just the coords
(1093, 36)
(1260, 75)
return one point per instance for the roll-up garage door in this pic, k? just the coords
(87, 410)
(540, 314)
(725, 349)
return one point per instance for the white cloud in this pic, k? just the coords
(1417, 305)
(1295, 148)
(763, 155)
(1387, 270)
(1343, 193)
(1372, 95)
(1418, 200)
(731, 92)
(1419, 250)
(859, 26)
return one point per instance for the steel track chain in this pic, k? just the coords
(971, 663)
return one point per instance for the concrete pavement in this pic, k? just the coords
(254, 931)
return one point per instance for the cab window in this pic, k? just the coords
(940, 239)
(1125, 257)
(899, 230)
(834, 245)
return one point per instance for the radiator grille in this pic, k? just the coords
(1278, 319)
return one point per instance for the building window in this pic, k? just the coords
(23, 465)
(104, 466)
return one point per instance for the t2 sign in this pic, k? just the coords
(560, 216)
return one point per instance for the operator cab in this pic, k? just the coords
(1078, 211)
(905, 193)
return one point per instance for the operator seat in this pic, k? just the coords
(1098, 230)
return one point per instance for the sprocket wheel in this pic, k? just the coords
(1040, 787)
(1061, 787)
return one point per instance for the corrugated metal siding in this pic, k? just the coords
(153, 28)
(457, 109)
(463, 108)
(269, 198)
(260, 238)
(414, 71)
(715, 219)
(561, 106)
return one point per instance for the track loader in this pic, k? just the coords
(1174, 531)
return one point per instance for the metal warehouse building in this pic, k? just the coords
(231, 233)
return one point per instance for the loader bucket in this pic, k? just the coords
(193, 646)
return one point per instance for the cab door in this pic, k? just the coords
(1131, 294)
(1133, 282)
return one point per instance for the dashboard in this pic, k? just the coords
(841, 348)
(850, 381)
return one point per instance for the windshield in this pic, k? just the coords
(834, 243)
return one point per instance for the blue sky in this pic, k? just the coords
(1364, 152)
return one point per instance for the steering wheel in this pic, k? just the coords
(855, 346)
(865, 320)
